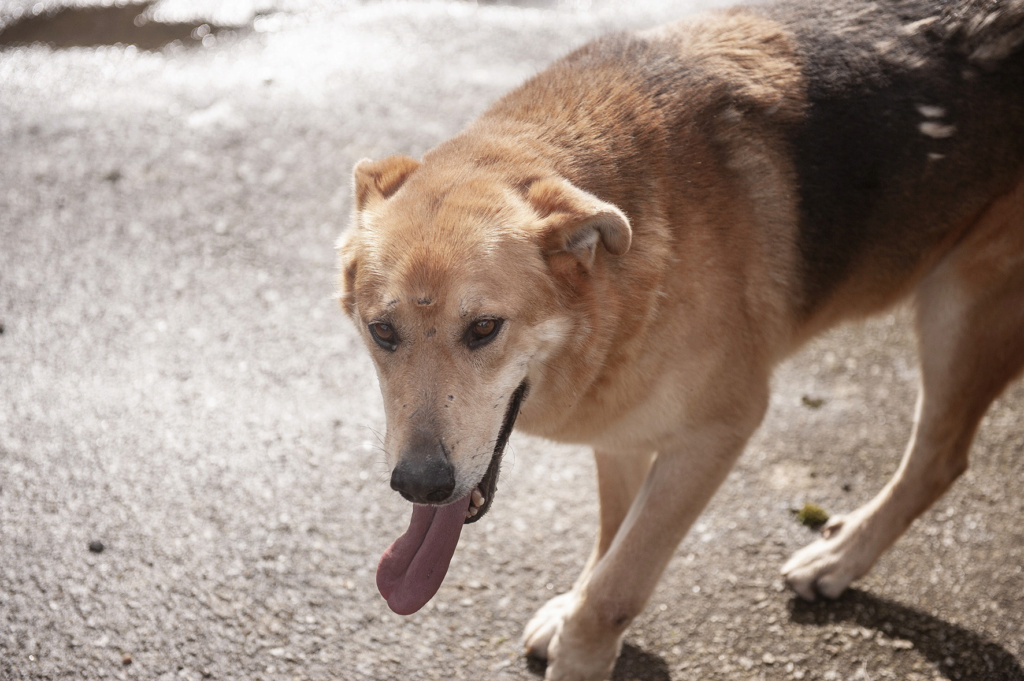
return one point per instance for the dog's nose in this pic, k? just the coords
(424, 480)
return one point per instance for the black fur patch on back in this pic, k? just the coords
(904, 139)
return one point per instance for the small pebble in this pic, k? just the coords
(96, 546)
(812, 402)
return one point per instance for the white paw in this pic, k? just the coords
(552, 634)
(580, 658)
(846, 551)
(545, 624)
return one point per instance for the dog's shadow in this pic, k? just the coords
(956, 652)
(633, 664)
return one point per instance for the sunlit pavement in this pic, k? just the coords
(191, 484)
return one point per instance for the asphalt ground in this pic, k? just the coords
(179, 388)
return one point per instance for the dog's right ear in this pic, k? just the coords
(377, 180)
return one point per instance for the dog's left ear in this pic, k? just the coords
(574, 221)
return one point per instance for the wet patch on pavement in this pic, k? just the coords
(130, 24)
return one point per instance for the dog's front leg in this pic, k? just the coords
(619, 477)
(615, 588)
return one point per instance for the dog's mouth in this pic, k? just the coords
(483, 495)
(411, 570)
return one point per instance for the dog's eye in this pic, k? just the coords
(482, 331)
(384, 335)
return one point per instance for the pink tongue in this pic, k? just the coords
(411, 570)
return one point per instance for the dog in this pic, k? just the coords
(618, 252)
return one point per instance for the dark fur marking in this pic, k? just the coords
(867, 182)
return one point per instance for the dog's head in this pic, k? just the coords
(459, 282)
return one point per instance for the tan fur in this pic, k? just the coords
(646, 297)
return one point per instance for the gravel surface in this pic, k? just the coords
(191, 483)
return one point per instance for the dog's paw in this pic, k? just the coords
(580, 658)
(845, 551)
(545, 624)
(572, 655)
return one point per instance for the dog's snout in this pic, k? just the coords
(424, 480)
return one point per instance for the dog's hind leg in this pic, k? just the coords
(619, 477)
(970, 329)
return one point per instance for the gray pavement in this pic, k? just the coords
(178, 384)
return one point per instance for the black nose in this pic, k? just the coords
(424, 480)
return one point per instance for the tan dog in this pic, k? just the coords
(622, 249)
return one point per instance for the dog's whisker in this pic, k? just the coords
(557, 370)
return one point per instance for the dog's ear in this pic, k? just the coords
(347, 266)
(574, 221)
(377, 180)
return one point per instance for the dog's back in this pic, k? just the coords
(915, 121)
(890, 126)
